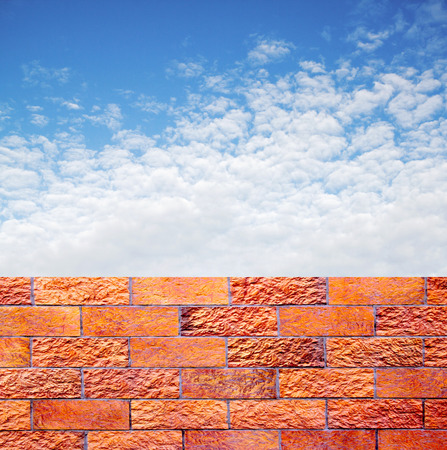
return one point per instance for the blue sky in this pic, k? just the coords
(223, 137)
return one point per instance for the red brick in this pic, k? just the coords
(278, 290)
(14, 352)
(81, 291)
(15, 415)
(326, 321)
(184, 414)
(177, 352)
(228, 383)
(81, 414)
(39, 321)
(180, 291)
(328, 440)
(130, 321)
(436, 414)
(15, 291)
(435, 352)
(412, 440)
(231, 439)
(375, 413)
(133, 440)
(437, 290)
(41, 440)
(254, 414)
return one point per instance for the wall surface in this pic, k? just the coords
(223, 363)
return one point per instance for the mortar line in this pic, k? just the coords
(180, 385)
(129, 357)
(33, 301)
(375, 319)
(324, 351)
(31, 351)
(278, 393)
(130, 291)
(377, 439)
(230, 300)
(425, 290)
(228, 415)
(130, 415)
(32, 414)
(326, 415)
(280, 439)
(179, 314)
(85, 440)
(183, 440)
(81, 321)
(375, 382)
(327, 290)
(82, 383)
(278, 322)
(423, 352)
(226, 351)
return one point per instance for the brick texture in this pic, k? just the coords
(15, 291)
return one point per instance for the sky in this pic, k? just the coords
(215, 138)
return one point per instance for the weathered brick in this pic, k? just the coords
(184, 414)
(437, 290)
(412, 321)
(436, 414)
(180, 291)
(326, 382)
(15, 415)
(131, 383)
(379, 352)
(231, 439)
(228, 383)
(278, 290)
(277, 413)
(435, 352)
(328, 440)
(130, 321)
(40, 383)
(80, 352)
(14, 352)
(39, 321)
(412, 439)
(412, 383)
(81, 291)
(326, 321)
(376, 291)
(81, 414)
(274, 352)
(177, 352)
(41, 440)
(226, 321)
(132, 440)
(15, 291)
(362, 413)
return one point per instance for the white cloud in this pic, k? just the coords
(111, 116)
(39, 120)
(186, 69)
(269, 50)
(35, 74)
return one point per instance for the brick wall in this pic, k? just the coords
(217, 363)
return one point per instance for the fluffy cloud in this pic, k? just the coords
(269, 50)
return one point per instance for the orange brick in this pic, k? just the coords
(80, 352)
(328, 440)
(41, 440)
(435, 352)
(412, 439)
(228, 383)
(40, 383)
(15, 291)
(278, 290)
(130, 321)
(15, 415)
(437, 290)
(357, 413)
(326, 321)
(177, 352)
(184, 414)
(231, 439)
(412, 383)
(376, 291)
(132, 440)
(39, 321)
(180, 291)
(326, 382)
(81, 414)
(81, 291)
(436, 414)
(277, 413)
(14, 352)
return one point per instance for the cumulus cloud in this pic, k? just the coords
(269, 50)
(34, 74)
(186, 69)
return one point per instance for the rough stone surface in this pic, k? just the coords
(15, 291)
(130, 321)
(131, 383)
(81, 291)
(228, 383)
(327, 321)
(271, 352)
(126, 440)
(326, 382)
(373, 352)
(328, 440)
(412, 440)
(41, 440)
(278, 290)
(39, 321)
(40, 383)
(231, 440)
(226, 321)
(180, 291)
(436, 413)
(80, 352)
(81, 414)
(184, 414)
(376, 291)
(436, 352)
(437, 290)
(375, 413)
(14, 352)
(177, 352)
(277, 413)
(412, 321)
(15, 415)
